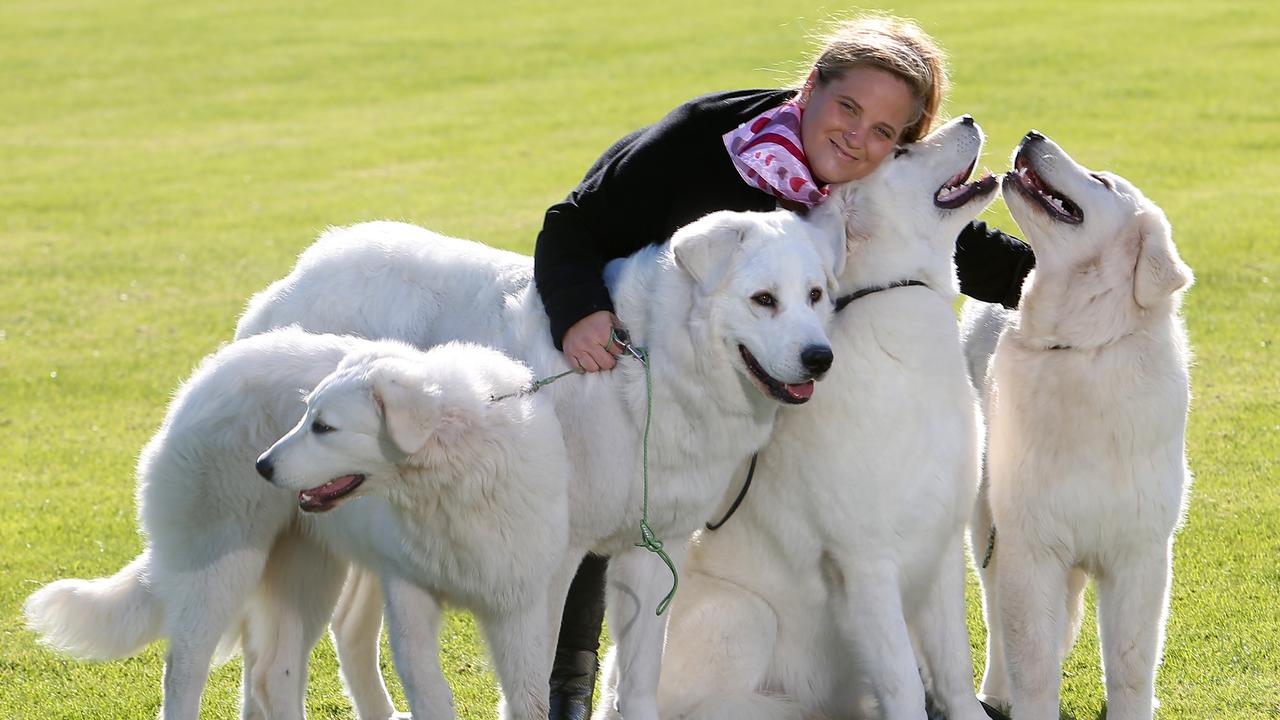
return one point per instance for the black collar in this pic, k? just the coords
(844, 300)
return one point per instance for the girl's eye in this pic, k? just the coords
(764, 299)
(320, 428)
(815, 295)
(884, 133)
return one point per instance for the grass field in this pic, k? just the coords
(160, 162)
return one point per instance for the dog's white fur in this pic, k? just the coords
(1086, 399)
(452, 477)
(689, 303)
(849, 549)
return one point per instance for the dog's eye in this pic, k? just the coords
(320, 428)
(899, 152)
(764, 299)
(1102, 180)
(815, 295)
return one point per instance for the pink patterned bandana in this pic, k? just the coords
(768, 154)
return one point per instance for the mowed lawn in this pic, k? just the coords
(160, 162)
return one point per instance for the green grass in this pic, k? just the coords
(160, 162)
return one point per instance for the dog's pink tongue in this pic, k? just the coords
(318, 497)
(803, 391)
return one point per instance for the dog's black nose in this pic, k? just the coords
(817, 358)
(1034, 135)
(966, 119)
(264, 467)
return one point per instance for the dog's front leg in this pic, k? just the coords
(869, 617)
(944, 639)
(1132, 603)
(1032, 590)
(638, 581)
(520, 646)
(413, 624)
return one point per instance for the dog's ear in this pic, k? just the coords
(1159, 271)
(408, 411)
(830, 222)
(705, 247)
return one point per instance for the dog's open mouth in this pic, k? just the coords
(1059, 206)
(957, 192)
(327, 496)
(794, 394)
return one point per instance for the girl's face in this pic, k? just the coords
(853, 122)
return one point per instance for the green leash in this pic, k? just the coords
(648, 540)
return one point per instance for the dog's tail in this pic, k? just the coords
(99, 619)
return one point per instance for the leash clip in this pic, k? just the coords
(622, 338)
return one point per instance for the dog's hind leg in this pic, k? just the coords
(871, 622)
(1132, 603)
(286, 617)
(720, 643)
(943, 639)
(1076, 580)
(995, 678)
(200, 605)
(356, 627)
(413, 624)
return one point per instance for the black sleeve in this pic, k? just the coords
(602, 219)
(992, 264)
(645, 187)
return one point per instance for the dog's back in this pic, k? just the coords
(393, 280)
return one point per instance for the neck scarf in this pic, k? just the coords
(767, 153)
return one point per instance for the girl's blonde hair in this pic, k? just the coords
(897, 46)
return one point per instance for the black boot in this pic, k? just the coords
(573, 684)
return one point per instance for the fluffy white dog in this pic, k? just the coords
(1086, 402)
(731, 312)
(469, 506)
(841, 577)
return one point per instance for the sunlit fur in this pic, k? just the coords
(687, 302)
(229, 558)
(842, 574)
(1086, 397)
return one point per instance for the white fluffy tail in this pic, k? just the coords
(99, 619)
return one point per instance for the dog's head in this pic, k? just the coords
(386, 412)
(764, 284)
(901, 222)
(1099, 241)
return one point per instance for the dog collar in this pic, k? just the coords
(844, 300)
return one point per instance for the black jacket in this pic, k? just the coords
(664, 176)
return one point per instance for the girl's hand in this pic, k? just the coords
(588, 344)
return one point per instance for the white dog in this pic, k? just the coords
(1086, 401)
(455, 477)
(731, 312)
(849, 549)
